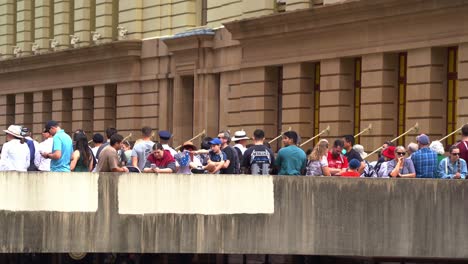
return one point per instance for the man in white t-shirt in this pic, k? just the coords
(42, 163)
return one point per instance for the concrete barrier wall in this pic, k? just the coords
(311, 215)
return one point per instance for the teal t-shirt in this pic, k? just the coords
(291, 160)
(62, 142)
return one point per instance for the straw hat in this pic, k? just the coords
(239, 135)
(14, 130)
(189, 144)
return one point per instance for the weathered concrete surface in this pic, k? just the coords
(312, 215)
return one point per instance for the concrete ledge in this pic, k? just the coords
(312, 215)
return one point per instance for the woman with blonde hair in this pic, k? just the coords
(317, 163)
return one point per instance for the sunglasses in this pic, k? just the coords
(401, 153)
(455, 154)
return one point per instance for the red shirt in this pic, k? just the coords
(350, 174)
(339, 163)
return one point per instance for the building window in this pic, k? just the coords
(280, 6)
(402, 63)
(317, 102)
(357, 97)
(452, 77)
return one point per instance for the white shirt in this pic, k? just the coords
(167, 147)
(94, 150)
(42, 163)
(15, 156)
(241, 148)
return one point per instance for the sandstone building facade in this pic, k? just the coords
(195, 65)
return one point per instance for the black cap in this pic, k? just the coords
(50, 124)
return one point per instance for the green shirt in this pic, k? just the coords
(291, 160)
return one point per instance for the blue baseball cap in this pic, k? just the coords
(215, 141)
(354, 164)
(164, 134)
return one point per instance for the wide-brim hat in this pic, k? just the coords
(14, 130)
(389, 152)
(239, 135)
(189, 144)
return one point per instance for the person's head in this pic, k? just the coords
(354, 164)
(110, 131)
(454, 153)
(412, 148)
(464, 130)
(79, 133)
(98, 139)
(348, 141)
(338, 146)
(400, 151)
(290, 138)
(158, 150)
(215, 145)
(116, 141)
(205, 144)
(146, 131)
(81, 144)
(259, 135)
(164, 136)
(320, 149)
(52, 126)
(389, 153)
(387, 144)
(360, 149)
(240, 137)
(46, 134)
(437, 147)
(126, 145)
(225, 137)
(423, 140)
(188, 146)
(25, 132)
(13, 132)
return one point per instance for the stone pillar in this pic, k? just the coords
(257, 8)
(42, 105)
(166, 99)
(379, 98)
(183, 16)
(426, 92)
(150, 104)
(7, 112)
(183, 109)
(24, 109)
(298, 99)
(130, 17)
(8, 28)
(337, 96)
(297, 4)
(206, 104)
(105, 19)
(44, 21)
(63, 23)
(258, 101)
(82, 109)
(462, 90)
(84, 19)
(25, 25)
(130, 113)
(104, 107)
(62, 108)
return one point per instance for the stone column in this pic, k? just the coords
(165, 104)
(130, 17)
(379, 98)
(150, 104)
(258, 101)
(297, 4)
(63, 23)
(42, 104)
(7, 112)
(130, 113)
(298, 99)
(426, 91)
(104, 107)
(8, 28)
(257, 8)
(183, 16)
(183, 109)
(44, 21)
(85, 14)
(337, 96)
(105, 19)
(206, 104)
(82, 109)
(62, 108)
(462, 90)
(24, 109)
(25, 25)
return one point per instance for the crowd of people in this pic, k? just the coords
(61, 153)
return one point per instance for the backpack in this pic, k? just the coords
(236, 160)
(371, 171)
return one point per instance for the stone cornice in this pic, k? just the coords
(325, 17)
(90, 54)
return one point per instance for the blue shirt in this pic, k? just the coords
(447, 169)
(425, 163)
(291, 160)
(62, 142)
